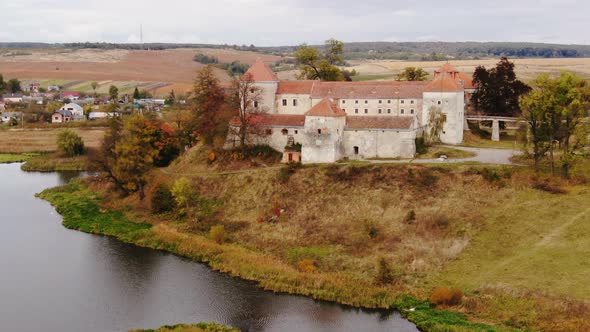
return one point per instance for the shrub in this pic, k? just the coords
(410, 216)
(162, 200)
(217, 234)
(70, 143)
(306, 265)
(286, 172)
(386, 274)
(421, 147)
(183, 193)
(446, 296)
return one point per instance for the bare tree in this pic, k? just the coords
(247, 100)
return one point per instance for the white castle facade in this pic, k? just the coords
(355, 120)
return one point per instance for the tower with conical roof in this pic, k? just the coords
(324, 131)
(267, 81)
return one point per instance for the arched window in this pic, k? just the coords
(285, 131)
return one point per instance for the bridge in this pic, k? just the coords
(495, 123)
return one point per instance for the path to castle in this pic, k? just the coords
(484, 156)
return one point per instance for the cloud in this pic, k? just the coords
(288, 22)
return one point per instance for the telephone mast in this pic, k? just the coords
(141, 35)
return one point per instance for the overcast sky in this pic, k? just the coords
(290, 22)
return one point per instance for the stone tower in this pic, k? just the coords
(267, 81)
(324, 130)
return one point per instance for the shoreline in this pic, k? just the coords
(273, 276)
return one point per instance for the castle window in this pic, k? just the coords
(439, 102)
(356, 111)
(344, 101)
(389, 101)
(294, 102)
(255, 104)
(403, 101)
(344, 109)
(380, 101)
(412, 111)
(356, 150)
(284, 102)
(285, 131)
(356, 101)
(403, 111)
(366, 101)
(389, 111)
(366, 111)
(380, 111)
(319, 131)
(411, 102)
(296, 132)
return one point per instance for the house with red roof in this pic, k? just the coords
(355, 120)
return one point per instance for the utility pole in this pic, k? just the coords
(141, 35)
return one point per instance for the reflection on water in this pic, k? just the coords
(54, 279)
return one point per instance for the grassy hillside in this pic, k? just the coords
(511, 241)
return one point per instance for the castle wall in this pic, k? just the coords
(302, 103)
(267, 97)
(374, 143)
(452, 105)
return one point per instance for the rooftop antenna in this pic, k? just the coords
(141, 35)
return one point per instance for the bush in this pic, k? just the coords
(385, 275)
(162, 200)
(421, 147)
(306, 265)
(286, 172)
(446, 296)
(70, 143)
(217, 234)
(410, 216)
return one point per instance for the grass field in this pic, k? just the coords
(15, 158)
(42, 140)
(167, 69)
(526, 69)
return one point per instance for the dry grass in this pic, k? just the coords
(526, 69)
(43, 140)
(173, 67)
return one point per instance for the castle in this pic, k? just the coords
(354, 120)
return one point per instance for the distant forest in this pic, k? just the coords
(371, 50)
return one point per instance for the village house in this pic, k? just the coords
(76, 111)
(6, 117)
(62, 116)
(353, 120)
(71, 95)
(12, 98)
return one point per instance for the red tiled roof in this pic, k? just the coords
(467, 80)
(379, 122)
(443, 83)
(447, 68)
(274, 120)
(261, 72)
(368, 90)
(326, 108)
(295, 87)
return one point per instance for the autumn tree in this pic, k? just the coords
(13, 85)
(94, 86)
(2, 84)
(558, 106)
(246, 100)
(134, 154)
(412, 74)
(70, 143)
(211, 114)
(113, 93)
(436, 123)
(184, 194)
(314, 65)
(498, 90)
